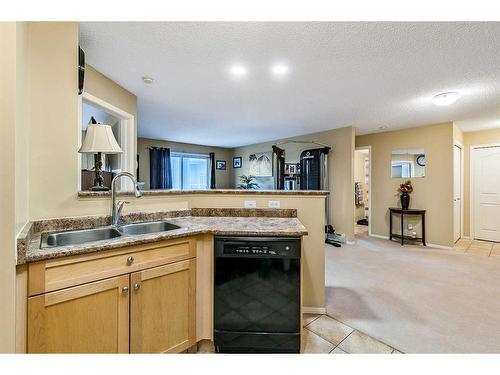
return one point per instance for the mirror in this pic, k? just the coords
(408, 163)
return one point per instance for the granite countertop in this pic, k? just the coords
(97, 194)
(234, 222)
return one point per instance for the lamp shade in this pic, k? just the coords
(99, 138)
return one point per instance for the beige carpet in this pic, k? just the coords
(415, 299)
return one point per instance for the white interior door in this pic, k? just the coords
(486, 184)
(457, 193)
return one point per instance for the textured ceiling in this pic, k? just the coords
(361, 74)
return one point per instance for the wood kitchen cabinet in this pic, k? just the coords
(162, 308)
(89, 318)
(139, 299)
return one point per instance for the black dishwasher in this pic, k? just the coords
(257, 295)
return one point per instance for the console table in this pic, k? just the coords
(402, 213)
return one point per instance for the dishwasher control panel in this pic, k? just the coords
(258, 246)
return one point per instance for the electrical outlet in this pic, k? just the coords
(250, 204)
(273, 204)
(410, 226)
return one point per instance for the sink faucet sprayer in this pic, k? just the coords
(116, 207)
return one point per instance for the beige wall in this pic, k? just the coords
(22, 126)
(434, 192)
(223, 178)
(54, 117)
(340, 169)
(473, 139)
(97, 84)
(13, 189)
(53, 159)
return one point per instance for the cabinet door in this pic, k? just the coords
(90, 318)
(162, 311)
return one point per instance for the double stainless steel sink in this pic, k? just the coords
(76, 237)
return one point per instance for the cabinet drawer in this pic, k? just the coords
(56, 274)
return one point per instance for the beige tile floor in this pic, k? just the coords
(323, 335)
(477, 247)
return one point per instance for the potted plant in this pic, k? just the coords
(247, 182)
(405, 190)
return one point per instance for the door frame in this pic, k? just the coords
(127, 137)
(462, 185)
(370, 202)
(471, 183)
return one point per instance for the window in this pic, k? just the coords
(190, 171)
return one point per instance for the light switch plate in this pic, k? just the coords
(273, 204)
(250, 204)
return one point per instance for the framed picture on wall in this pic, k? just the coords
(237, 162)
(220, 164)
(261, 164)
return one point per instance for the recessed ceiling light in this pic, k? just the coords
(148, 80)
(279, 69)
(445, 98)
(238, 71)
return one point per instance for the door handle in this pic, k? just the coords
(137, 286)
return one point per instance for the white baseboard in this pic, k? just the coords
(428, 244)
(439, 246)
(466, 238)
(379, 236)
(314, 310)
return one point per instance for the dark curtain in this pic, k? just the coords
(160, 176)
(212, 170)
(279, 154)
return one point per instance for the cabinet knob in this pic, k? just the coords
(130, 260)
(125, 290)
(137, 286)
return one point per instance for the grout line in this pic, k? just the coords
(321, 337)
(312, 320)
(345, 338)
(324, 338)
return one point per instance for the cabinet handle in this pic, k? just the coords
(125, 290)
(137, 286)
(130, 260)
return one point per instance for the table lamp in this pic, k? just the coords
(99, 139)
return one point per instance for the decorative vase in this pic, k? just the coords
(405, 200)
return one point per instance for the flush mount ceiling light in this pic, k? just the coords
(279, 70)
(148, 80)
(445, 98)
(238, 71)
(382, 127)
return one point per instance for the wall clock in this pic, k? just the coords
(421, 160)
